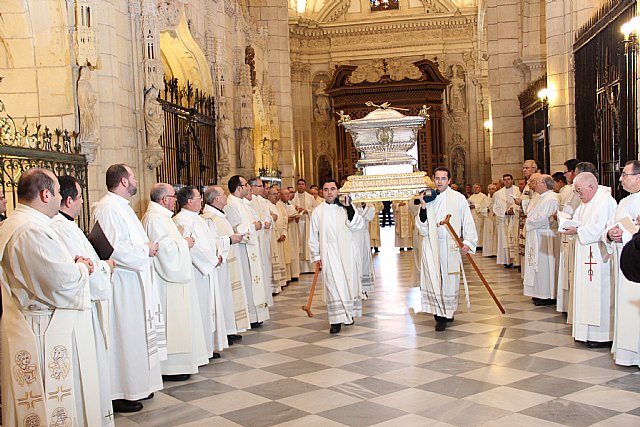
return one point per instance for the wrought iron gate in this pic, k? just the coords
(189, 139)
(22, 149)
(605, 75)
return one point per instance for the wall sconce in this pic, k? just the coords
(631, 29)
(488, 126)
(543, 95)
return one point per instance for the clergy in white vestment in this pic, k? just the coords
(489, 231)
(236, 312)
(594, 278)
(568, 205)
(304, 204)
(99, 282)
(404, 225)
(186, 348)
(506, 212)
(529, 167)
(313, 190)
(242, 220)
(626, 337)
(261, 207)
(136, 320)
(279, 235)
(542, 244)
(204, 262)
(374, 227)
(367, 211)
(46, 332)
(294, 216)
(476, 201)
(333, 247)
(441, 257)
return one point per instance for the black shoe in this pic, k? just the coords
(508, 265)
(441, 323)
(147, 398)
(215, 356)
(123, 405)
(599, 344)
(335, 328)
(401, 249)
(294, 279)
(376, 249)
(409, 249)
(544, 302)
(176, 377)
(255, 325)
(449, 320)
(229, 341)
(234, 337)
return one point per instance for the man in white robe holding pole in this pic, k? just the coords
(620, 230)
(333, 248)
(99, 282)
(541, 244)
(441, 262)
(304, 204)
(594, 278)
(240, 215)
(507, 227)
(46, 332)
(136, 320)
(186, 349)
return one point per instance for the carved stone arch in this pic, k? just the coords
(439, 6)
(332, 11)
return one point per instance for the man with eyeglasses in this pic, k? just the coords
(176, 283)
(594, 277)
(529, 167)
(243, 221)
(626, 342)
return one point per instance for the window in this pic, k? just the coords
(377, 5)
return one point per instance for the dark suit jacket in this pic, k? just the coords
(630, 259)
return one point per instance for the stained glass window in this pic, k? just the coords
(377, 5)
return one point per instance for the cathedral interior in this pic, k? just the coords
(192, 92)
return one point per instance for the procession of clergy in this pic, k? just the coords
(172, 291)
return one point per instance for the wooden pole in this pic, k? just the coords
(307, 307)
(473, 263)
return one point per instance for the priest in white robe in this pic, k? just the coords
(626, 338)
(236, 311)
(136, 320)
(279, 235)
(242, 220)
(204, 261)
(367, 211)
(186, 348)
(529, 167)
(99, 283)
(594, 278)
(506, 212)
(541, 244)
(441, 257)
(489, 231)
(293, 254)
(374, 228)
(304, 204)
(46, 332)
(333, 247)
(476, 201)
(260, 206)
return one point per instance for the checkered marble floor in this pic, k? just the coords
(392, 369)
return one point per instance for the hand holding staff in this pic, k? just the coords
(473, 263)
(307, 307)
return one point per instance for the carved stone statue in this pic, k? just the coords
(87, 99)
(322, 111)
(223, 135)
(457, 90)
(247, 156)
(275, 153)
(458, 165)
(153, 117)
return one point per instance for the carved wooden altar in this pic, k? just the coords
(407, 93)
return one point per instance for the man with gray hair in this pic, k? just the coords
(541, 243)
(594, 278)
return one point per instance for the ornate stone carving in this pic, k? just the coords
(86, 44)
(456, 91)
(322, 109)
(223, 134)
(335, 11)
(87, 100)
(433, 6)
(402, 68)
(151, 38)
(458, 162)
(169, 12)
(244, 91)
(247, 156)
(371, 72)
(154, 127)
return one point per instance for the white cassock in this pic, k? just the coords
(528, 197)
(260, 206)
(241, 218)
(403, 224)
(186, 348)
(294, 237)
(626, 337)
(364, 240)
(278, 259)
(47, 340)
(236, 313)
(331, 240)
(204, 258)
(100, 289)
(478, 200)
(136, 319)
(304, 201)
(507, 225)
(542, 247)
(489, 231)
(441, 262)
(594, 278)
(567, 256)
